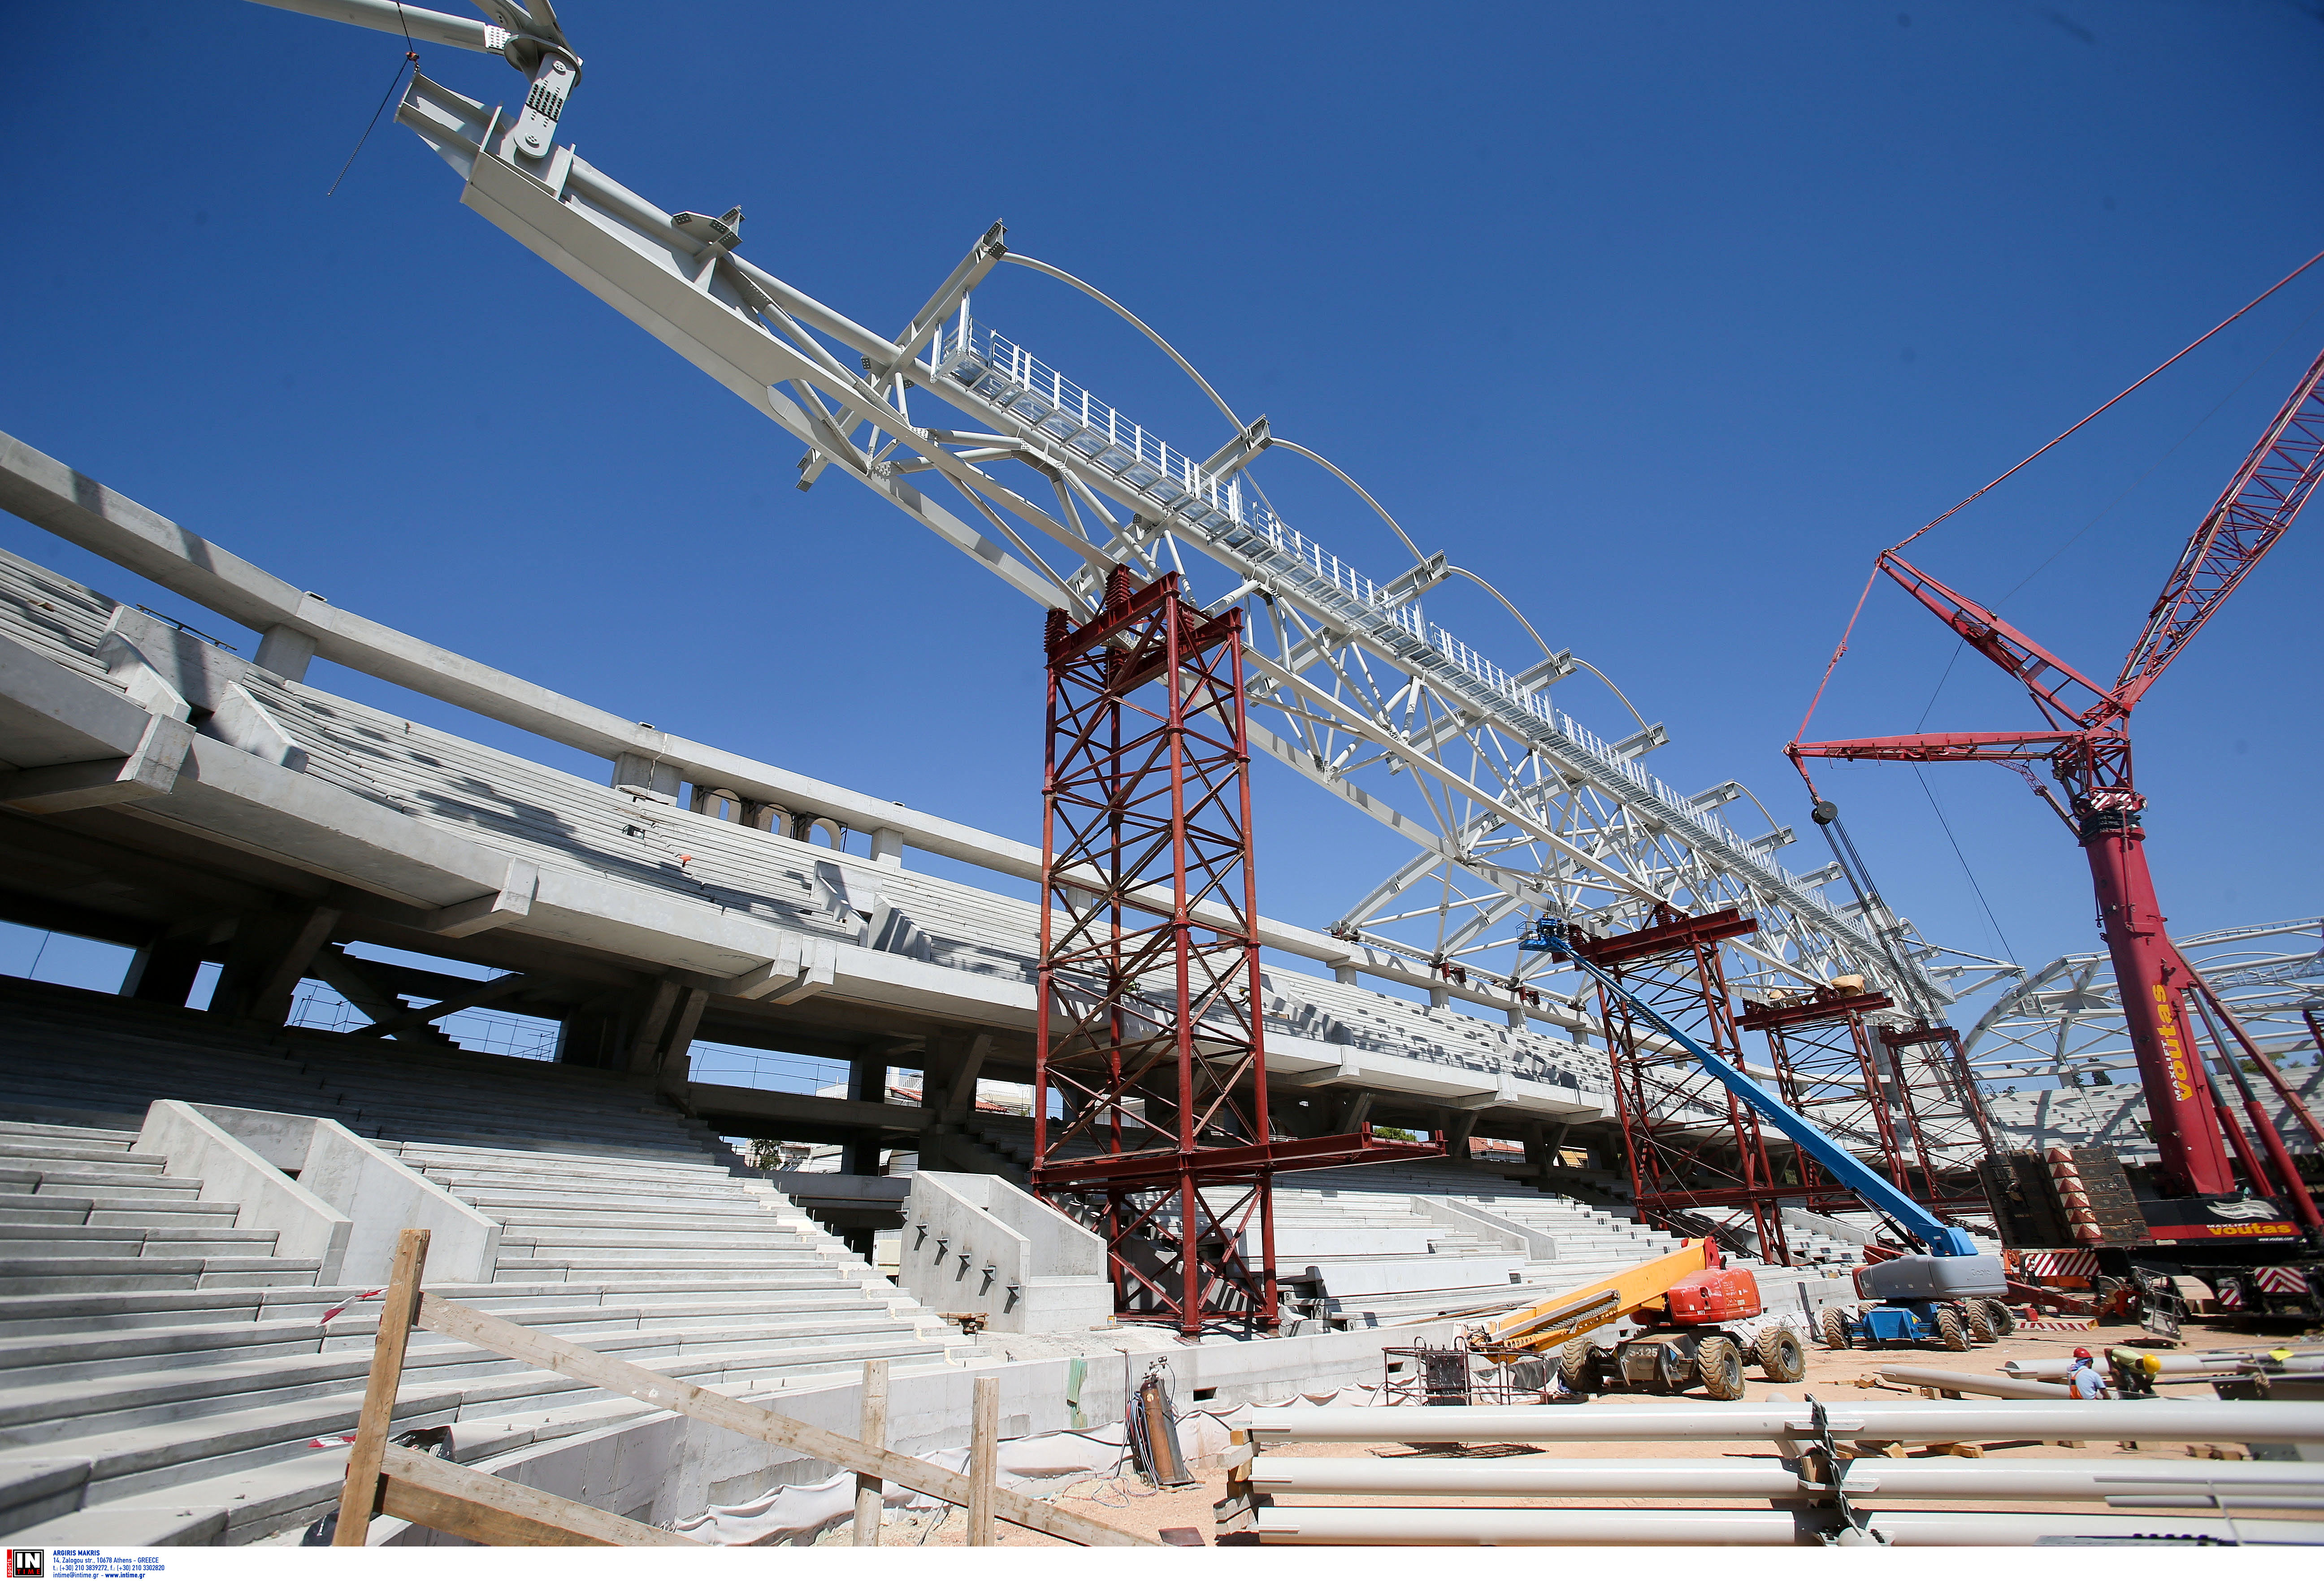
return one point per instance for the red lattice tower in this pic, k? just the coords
(1691, 1143)
(1900, 1098)
(1151, 1044)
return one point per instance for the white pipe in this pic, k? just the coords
(1976, 1384)
(1746, 1527)
(2234, 1422)
(2246, 1481)
(2194, 1366)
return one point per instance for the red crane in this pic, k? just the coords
(2085, 740)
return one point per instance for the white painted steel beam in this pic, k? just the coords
(1365, 686)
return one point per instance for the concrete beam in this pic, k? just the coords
(148, 769)
(758, 1105)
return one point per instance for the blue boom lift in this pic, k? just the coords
(1947, 1290)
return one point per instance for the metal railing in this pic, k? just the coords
(996, 368)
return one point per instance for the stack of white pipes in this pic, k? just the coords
(2155, 1499)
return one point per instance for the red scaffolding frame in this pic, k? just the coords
(1691, 1145)
(1151, 1044)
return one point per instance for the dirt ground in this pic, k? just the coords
(1832, 1376)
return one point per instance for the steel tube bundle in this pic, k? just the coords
(2243, 1482)
(1748, 1528)
(1976, 1384)
(1925, 1422)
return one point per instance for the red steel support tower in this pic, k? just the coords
(1870, 1087)
(1689, 1143)
(1151, 1044)
(2085, 743)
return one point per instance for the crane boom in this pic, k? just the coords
(2253, 513)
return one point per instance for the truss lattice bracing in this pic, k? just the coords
(1953, 1134)
(1511, 802)
(2064, 1022)
(1691, 1145)
(1151, 1044)
(1897, 1096)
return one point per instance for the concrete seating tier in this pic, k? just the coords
(154, 1359)
(1366, 1231)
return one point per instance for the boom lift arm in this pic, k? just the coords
(1877, 1191)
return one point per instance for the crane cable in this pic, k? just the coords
(1840, 651)
(411, 58)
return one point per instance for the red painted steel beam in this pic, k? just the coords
(2253, 513)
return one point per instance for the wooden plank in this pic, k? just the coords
(397, 1308)
(869, 1491)
(983, 1461)
(579, 1363)
(460, 1501)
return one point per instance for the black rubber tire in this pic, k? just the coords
(1980, 1322)
(1719, 1364)
(1833, 1328)
(1783, 1359)
(1578, 1367)
(2004, 1320)
(1950, 1329)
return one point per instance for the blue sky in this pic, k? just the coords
(1666, 317)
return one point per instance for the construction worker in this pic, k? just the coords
(2084, 1380)
(2135, 1371)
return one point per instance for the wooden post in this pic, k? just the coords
(397, 1309)
(983, 1461)
(869, 1491)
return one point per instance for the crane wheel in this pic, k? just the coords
(1834, 1329)
(1980, 1321)
(1782, 1358)
(1951, 1329)
(1719, 1362)
(1998, 1314)
(1576, 1366)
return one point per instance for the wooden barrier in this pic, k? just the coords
(383, 1478)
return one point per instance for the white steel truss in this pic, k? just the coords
(1516, 807)
(2065, 1020)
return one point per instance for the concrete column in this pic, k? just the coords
(1458, 1127)
(286, 651)
(636, 769)
(163, 971)
(887, 847)
(1346, 974)
(674, 1064)
(1440, 998)
(867, 1082)
(1354, 1110)
(270, 952)
(653, 1023)
(1517, 1015)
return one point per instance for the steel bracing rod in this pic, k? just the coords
(764, 339)
(2252, 514)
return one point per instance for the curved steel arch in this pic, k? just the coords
(2065, 1020)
